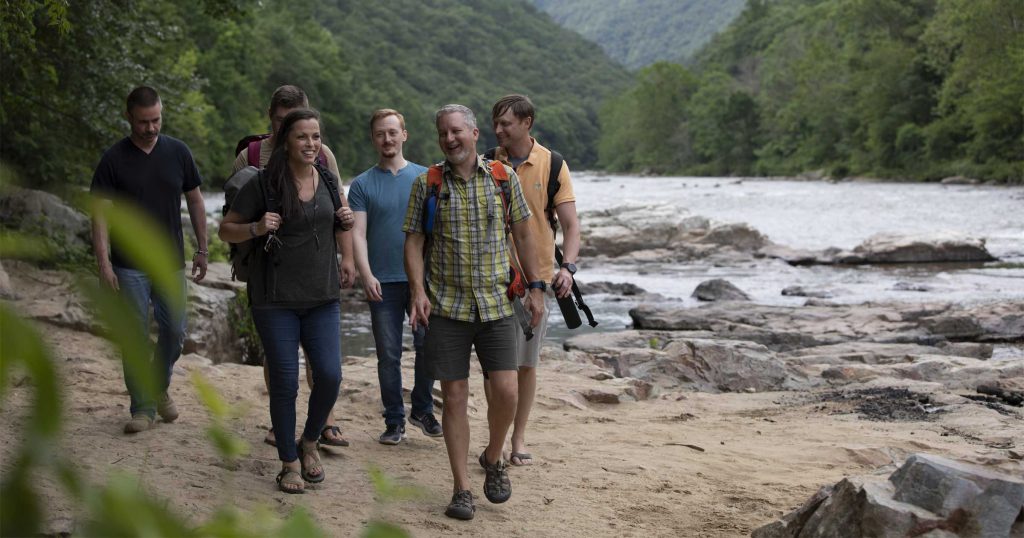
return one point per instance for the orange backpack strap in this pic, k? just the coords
(498, 171)
(434, 176)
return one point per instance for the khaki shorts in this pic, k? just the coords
(448, 342)
(528, 351)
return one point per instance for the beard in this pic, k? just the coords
(458, 156)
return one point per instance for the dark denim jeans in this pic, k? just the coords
(137, 289)
(388, 319)
(281, 331)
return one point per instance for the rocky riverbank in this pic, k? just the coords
(712, 420)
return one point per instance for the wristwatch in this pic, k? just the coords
(538, 285)
(571, 267)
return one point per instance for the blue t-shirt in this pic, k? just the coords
(384, 198)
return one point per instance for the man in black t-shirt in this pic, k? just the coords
(150, 171)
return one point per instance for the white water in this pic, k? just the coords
(801, 214)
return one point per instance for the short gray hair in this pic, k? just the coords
(451, 109)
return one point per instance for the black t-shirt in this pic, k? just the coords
(153, 182)
(305, 263)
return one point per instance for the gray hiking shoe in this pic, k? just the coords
(140, 422)
(461, 506)
(427, 424)
(497, 486)
(392, 435)
(166, 408)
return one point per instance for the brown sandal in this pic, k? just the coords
(290, 481)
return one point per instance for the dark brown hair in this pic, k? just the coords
(142, 97)
(280, 174)
(520, 105)
(288, 96)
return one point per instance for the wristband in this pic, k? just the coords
(201, 252)
(252, 229)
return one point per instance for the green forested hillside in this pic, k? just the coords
(641, 32)
(892, 88)
(68, 66)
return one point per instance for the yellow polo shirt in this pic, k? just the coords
(533, 176)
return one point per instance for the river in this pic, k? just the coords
(800, 214)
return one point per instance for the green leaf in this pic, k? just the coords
(25, 247)
(299, 524)
(121, 327)
(382, 529)
(122, 509)
(20, 343)
(388, 489)
(228, 445)
(209, 396)
(146, 246)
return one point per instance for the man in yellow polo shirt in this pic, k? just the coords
(513, 117)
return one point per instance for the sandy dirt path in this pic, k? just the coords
(601, 469)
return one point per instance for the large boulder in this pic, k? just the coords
(719, 289)
(920, 248)
(739, 236)
(38, 212)
(214, 328)
(938, 247)
(622, 230)
(692, 360)
(927, 496)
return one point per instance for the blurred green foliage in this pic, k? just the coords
(121, 507)
(916, 89)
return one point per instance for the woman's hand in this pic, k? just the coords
(345, 218)
(270, 222)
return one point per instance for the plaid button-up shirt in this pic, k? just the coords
(467, 254)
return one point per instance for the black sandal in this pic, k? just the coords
(337, 440)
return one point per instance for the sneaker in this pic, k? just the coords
(393, 435)
(140, 422)
(166, 408)
(427, 424)
(461, 506)
(497, 486)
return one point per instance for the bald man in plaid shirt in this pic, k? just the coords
(460, 296)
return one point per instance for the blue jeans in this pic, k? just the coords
(281, 331)
(138, 291)
(388, 319)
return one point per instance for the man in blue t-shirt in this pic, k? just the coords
(379, 197)
(150, 171)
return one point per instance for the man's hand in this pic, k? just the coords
(198, 266)
(534, 304)
(347, 273)
(419, 313)
(562, 283)
(371, 286)
(108, 278)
